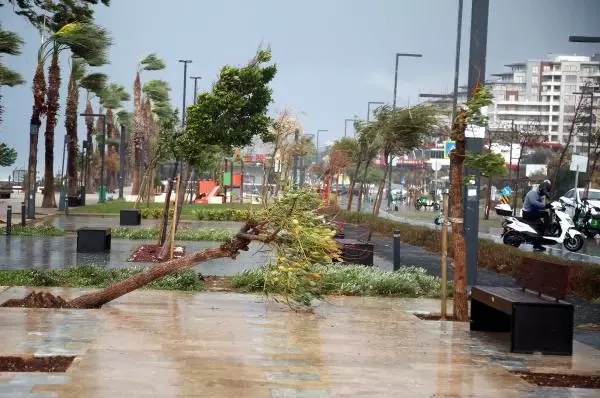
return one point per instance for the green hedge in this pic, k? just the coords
(584, 277)
(34, 230)
(224, 214)
(199, 234)
(356, 280)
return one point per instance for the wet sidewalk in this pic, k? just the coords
(173, 344)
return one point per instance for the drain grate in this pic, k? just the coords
(560, 380)
(53, 364)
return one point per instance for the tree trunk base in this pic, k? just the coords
(461, 306)
(151, 254)
(37, 300)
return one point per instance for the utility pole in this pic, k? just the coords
(195, 78)
(477, 59)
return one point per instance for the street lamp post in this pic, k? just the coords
(346, 124)
(369, 108)
(84, 171)
(389, 182)
(122, 161)
(34, 130)
(195, 79)
(185, 64)
(102, 193)
(457, 60)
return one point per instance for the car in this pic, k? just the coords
(573, 198)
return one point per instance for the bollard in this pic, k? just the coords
(396, 250)
(8, 219)
(66, 205)
(23, 214)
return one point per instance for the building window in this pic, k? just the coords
(546, 68)
(556, 98)
(571, 78)
(554, 138)
(535, 69)
(554, 128)
(555, 108)
(535, 80)
(555, 118)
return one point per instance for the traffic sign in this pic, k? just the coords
(449, 146)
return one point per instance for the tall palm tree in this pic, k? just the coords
(86, 41)
(149, 63)
(93, 83)
(10, 43)
(111, 98)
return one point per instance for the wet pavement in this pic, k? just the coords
(23, 252)
(175, 344)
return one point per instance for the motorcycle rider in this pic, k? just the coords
(534, 208)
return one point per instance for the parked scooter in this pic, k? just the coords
(424, 202)
(587, 218)
(517, 231)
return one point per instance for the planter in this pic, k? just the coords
(130, 217)
(93, 240)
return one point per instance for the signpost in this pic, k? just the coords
(578, 165)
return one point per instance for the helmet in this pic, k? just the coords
(544, 188)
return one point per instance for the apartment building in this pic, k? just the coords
(542, 95)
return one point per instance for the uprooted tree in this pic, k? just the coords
(291, 227)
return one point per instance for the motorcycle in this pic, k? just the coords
(587, 219)
(424, 202)
(517, 231)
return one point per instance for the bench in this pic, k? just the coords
(535, 314)
(354, 241)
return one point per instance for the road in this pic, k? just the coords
(17, 197)
(488, 229)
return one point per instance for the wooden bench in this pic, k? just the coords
(535, 314)
(354, 241)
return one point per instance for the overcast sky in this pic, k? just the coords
(333, 55)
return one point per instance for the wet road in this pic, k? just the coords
(589, 253)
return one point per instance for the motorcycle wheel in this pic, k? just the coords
(512, 238)
(437, 221)
(436, 206)
(573, 244)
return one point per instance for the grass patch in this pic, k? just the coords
(188, 211)
(584, 278)
(90, 276)
(34, 230)
(355, 280)
(217, 235)
(223, 214)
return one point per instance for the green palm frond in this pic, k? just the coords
(10, 42)
(9, 77)
(124, 118)
(157, 90)
(152, 62)
(94, 82)
(78, 69)
(163, 110)
(87, 41)
(112, 96)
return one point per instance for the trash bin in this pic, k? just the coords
(102, 193)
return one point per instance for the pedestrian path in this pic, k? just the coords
(174, 344)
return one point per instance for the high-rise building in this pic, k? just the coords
(543, 95)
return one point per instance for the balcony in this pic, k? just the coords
(552, 73)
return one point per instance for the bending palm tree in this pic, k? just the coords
(83, 40)
(10, 43)
(150, 63)
(93, 83)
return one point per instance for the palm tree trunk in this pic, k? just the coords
(457, 158)
(362, 187)
(136, 135)
(352, 184)
(71, 127)
(39, 94)
(49, 200)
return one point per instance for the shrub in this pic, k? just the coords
(584, 277)
(199, 234)
(145, 212)
(222, 214)
(354, 280)
(34, 230)
(156, 212)
(95, 277)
